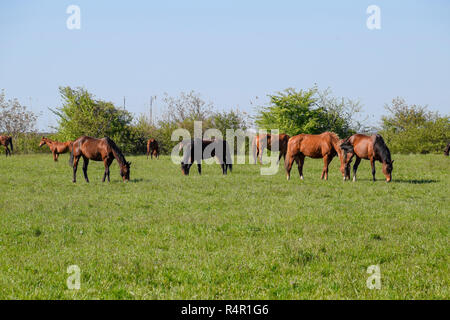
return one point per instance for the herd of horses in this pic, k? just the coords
(326, 146)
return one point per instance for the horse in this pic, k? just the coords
(265, 141)
(447, 150)
(197, 150)
(152, 148)
(325, 145)
(104, 150)
(371, 148)
(5, 141)
(56, 147)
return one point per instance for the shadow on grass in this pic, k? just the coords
(413, 181)
(416, 181)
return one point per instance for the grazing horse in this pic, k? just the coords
(325, 145)
(265, 141)
(371, 148)
(98, 150)
(197, 150)
(56, 147)
(447, 150)
(5, 141)
(152, 148)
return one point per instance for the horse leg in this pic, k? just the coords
(224, 169)
(75, 167)
(107, 162)
(85, 166)
(347, 163)
(288, 165)
(355, 167)
(372, 163)
(261, 150)
(327, 164)
(325, 168)
(300, 162)
(199, 167)
(279, 158)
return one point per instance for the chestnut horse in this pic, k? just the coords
(325, 145)
(265, 141)
(98, 150)
(5, 141)
(447, 150)
(370, 148)
(56, 147)
(197, 150)
(152, 148)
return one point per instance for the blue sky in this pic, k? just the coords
(229, 51)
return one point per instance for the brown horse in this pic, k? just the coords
(265, 141)
(371, 148)
(447, 150)
(5, 141)
(98, 150)
(152, 148)
(56, 147)
(325, 145)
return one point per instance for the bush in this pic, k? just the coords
(414, 129)
(309, 111)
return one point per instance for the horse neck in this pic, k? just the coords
(118, 156)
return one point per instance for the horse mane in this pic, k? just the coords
(381, 149)
(335, 141)
(116, 152)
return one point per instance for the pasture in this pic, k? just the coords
(241, 236)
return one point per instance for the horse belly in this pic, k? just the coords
(361, 151)
(312, 152)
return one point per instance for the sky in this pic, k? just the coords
(228, 51)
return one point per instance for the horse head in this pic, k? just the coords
(125, 171)
(43, 141)
(387, 170)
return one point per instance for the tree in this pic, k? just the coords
(81, 114)
(341, 114)
(414, 129)
(15, 118)
(292, 112)
(309, 111)
(232, 119)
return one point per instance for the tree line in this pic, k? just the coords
(406, 128)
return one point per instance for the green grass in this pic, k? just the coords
(241, 236)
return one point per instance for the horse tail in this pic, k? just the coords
(11, 144)
(346, 146)
(71, 158)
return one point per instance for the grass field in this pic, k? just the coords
(241, 236)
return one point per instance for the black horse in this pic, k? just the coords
(197, 150)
